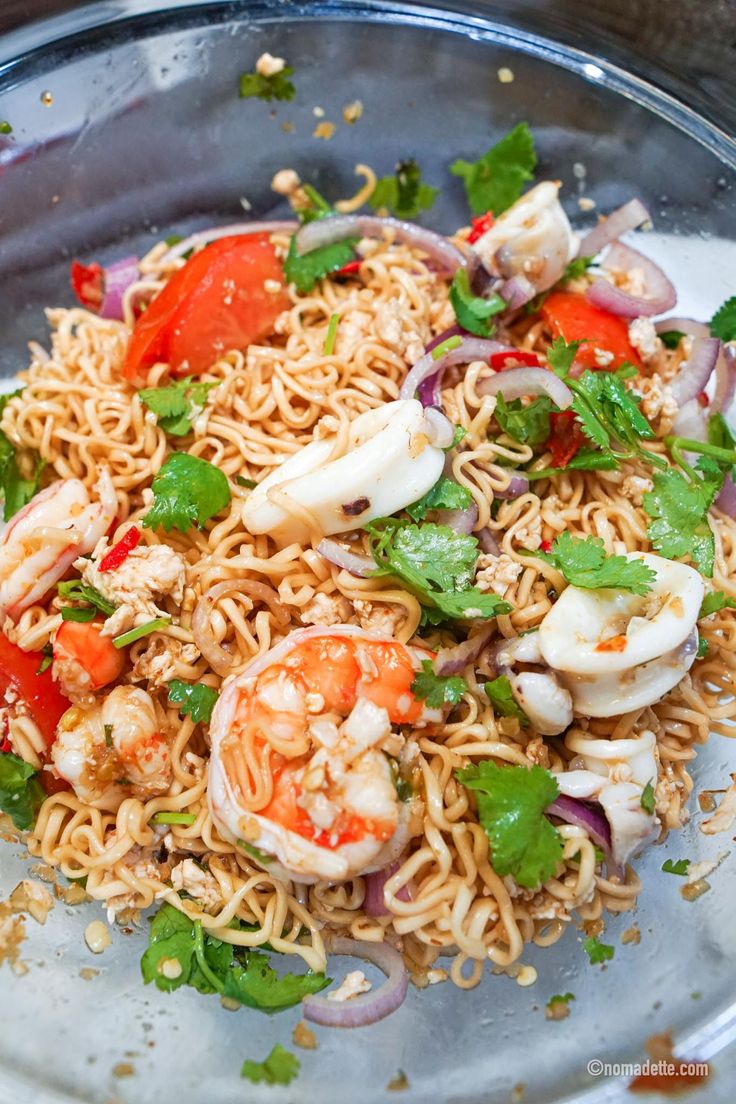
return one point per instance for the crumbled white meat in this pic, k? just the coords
(396, 327)
(355, 325)
(354, 983)
(643, 337)
(160, 661)
(634, 487)
(631, 280)
(696, 871)
(285, 182)
(33, 898)
(657, 398)
(384, 619)
(530, 535)
(198, 883)
(147, 571)
(326, 610)
(603, 357)
(268, 65)
(496, 573)
(724, 815)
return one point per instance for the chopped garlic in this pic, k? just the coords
(268, 65)
(97, 936)
(354, 983)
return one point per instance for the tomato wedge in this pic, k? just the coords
(570, 315)
(217, 301)
(19, 673)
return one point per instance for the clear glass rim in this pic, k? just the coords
(26, 44)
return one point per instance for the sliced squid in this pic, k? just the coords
(533, 238)
(394, 455)
(615, 774)
(547, 704)
(44, 538)
(300, 766)
(616, 651)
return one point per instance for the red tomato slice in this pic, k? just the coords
(569, 314)
(19, 672)
(216, 302)
(88, 284)
(566, 437)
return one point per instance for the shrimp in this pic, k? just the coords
(46, 536)
(113, 749)
(301, 741)
(84, 660)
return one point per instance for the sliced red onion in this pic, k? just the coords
(451, 661)
(469, 349)
(725, 380)
(354, 562)
(488, 541)
(583, 814)
(442, 428)
(623, 219)
(518, 485)
(687, 326)
(694, 374)
(325, 231)
(661, 295)
(691, 421)
(726, 500)
(374, 904)
(516, 292)
(515, 383)
(204, 237)
(461, 521)
(366, 1008)
(117, 279)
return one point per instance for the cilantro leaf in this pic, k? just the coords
(195, 700)
(597, 952)
(21, 795)
(473, 312)
(723, 322)
(584, 563)
(305, 269)
(511, 806)
(715, 601)
(679, 867)
(647, 801)
(76, 591)
(527, 424)
(703, 648)
(257, 985)
(68, 613)
(186, 491)
(577, 268)
(496, 180)
(446, 494)
(560, 998)
(404, 194)
(502, 699)
(434, 563)
(671, 338)
(17, 489)
(170, 939)
(276, 87)
(177, 405)
(279, 1068)
(678, 509)
(437, 690)
(606, 409)
(560, 355)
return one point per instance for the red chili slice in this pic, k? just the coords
(480, 225)
(120, 551)
(500, 362)
(88, 284)
(566, 437)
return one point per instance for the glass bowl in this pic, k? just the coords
(127, 126)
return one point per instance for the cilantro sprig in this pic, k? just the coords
(279, 1068)
(177, 405)
(434, 563)
(501, 697)
(195, 700)
(21, 794)
(186, 491)
(714, 602)
(278, 86)
(496, 180)
(678, 506)
(529, 425)
(583, 561)
(511, 807)
(20, 470)
(305, 269)
(598, 952)
(404, 194)
(437, 690)
(723, 322)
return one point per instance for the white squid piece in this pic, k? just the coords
(533, 238)
(547, 704)
(615, 773)
(44, 538)
(318, 714)
(113, 749)
(616, 651)
(394, 455)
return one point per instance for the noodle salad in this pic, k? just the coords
(366, 591)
